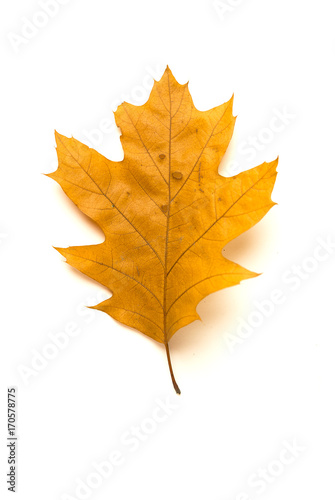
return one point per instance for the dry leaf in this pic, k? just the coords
(165, 211)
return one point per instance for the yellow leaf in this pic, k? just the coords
(165, 211)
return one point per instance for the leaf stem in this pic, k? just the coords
(175, 385)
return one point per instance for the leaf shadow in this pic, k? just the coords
(218, 311)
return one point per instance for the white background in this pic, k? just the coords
(242, 398)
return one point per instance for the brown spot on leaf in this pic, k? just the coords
(177, 175)
(164, 208)
(161, 157)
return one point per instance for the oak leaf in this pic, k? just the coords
(165, 211)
